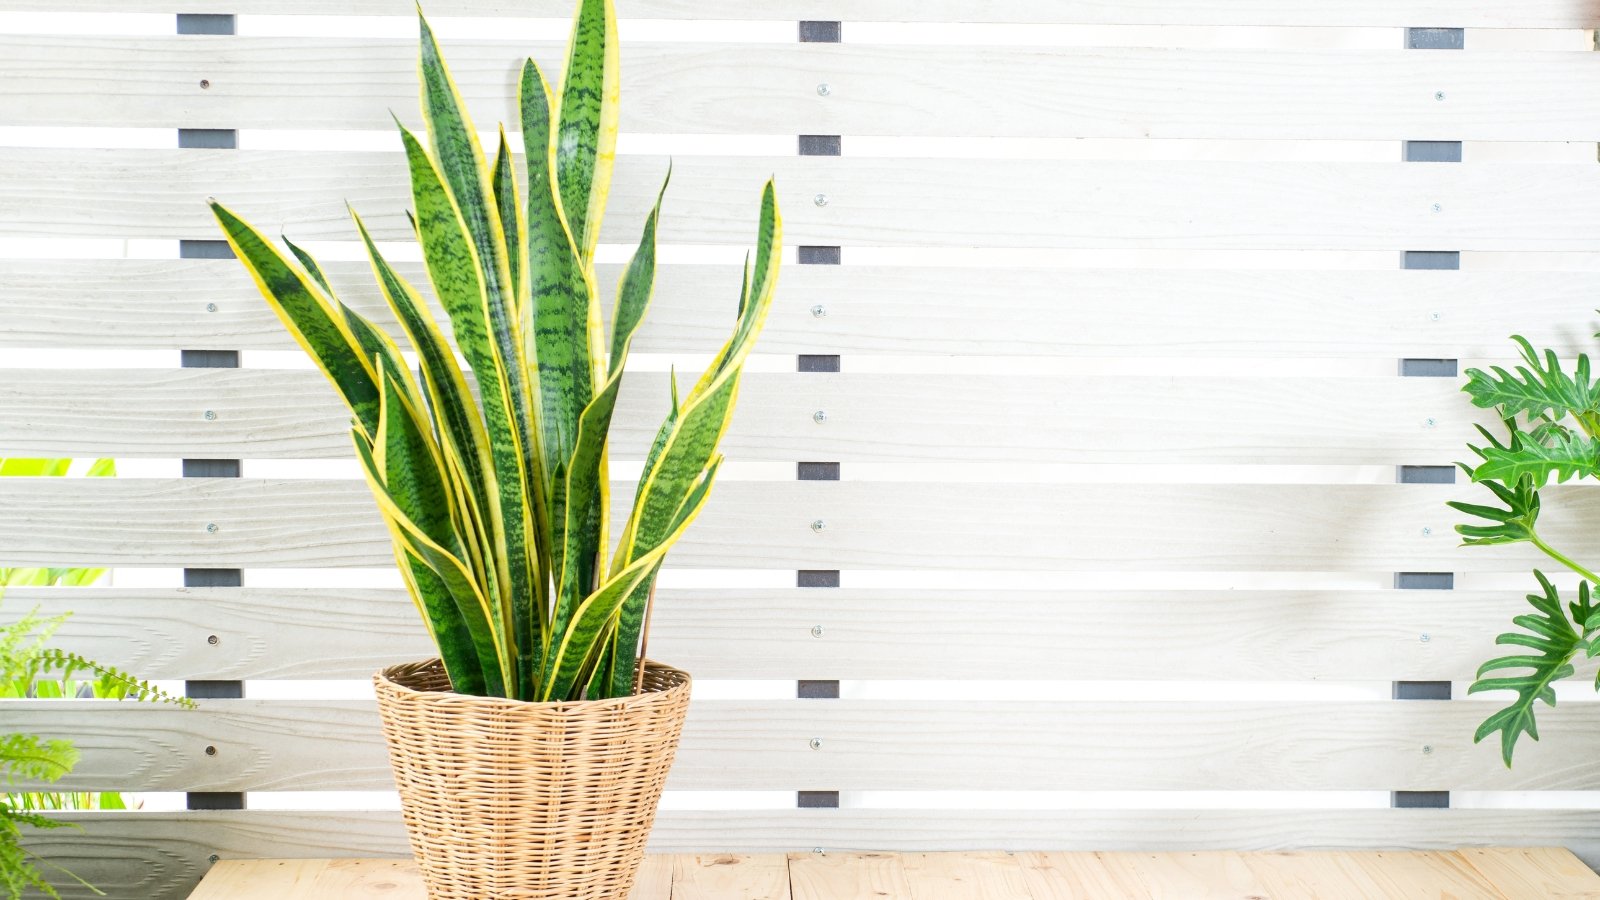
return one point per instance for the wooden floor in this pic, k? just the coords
(1489, 874)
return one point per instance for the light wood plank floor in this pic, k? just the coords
(1479, 874)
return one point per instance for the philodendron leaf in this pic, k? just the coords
(1554, 642)
(1538, 389)
(1515, 518)
(1565, 456)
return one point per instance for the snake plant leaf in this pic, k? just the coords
(462, 621)
(482, 333)
(706, 414)
(1555, 641)
(460, 160)
(580, 645)
(319, 328)
(459, 421)
(562, 321)
(1538, 389)
(585, 492)
(510, 208)
(586, 134)
(1566, 455)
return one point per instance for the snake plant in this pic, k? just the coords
(497, 500)
(1553, 422)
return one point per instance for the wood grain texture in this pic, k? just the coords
(877, 202)
(1408, 874)
(308, 879)
(879, 418)
(1372, 13)
(1534, 873)
(162, 855)
(1201, 875)
(847, 876)
(731, 88)
(887, 745)
(866, 525)
(1312, 873)
(654, 881)
(971, 876)
(730, 876)
(918, 311)
(1227, 635)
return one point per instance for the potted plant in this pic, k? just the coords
(530, 755)
(1552, 420)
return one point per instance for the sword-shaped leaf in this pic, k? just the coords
(457, 417)
(480, 333)
(586, 144)
(586, 492)
(510, 207)
(319, 328)
(579, 647)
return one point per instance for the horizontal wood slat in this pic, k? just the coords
(1206, 635)
(728, 88)
(161, 856)
(1010, 311)
(866, 525)
(869, 201)
(327, 745)
(265, 413)
(1400, 13)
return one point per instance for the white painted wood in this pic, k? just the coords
(871, 201)
(998, 744)
(1401, 13)
(162, 855)
(1009, 311)
(897, 633)
(731, 88)
(868, 525)
(265, 413)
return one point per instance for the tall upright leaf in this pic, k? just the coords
(586, 142)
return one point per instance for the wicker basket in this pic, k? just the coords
(504, 798)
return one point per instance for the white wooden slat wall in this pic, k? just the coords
(964, 391)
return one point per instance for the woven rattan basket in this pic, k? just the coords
(504, 798)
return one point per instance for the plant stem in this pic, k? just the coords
(1559, 557)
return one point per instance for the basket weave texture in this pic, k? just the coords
(505, 798)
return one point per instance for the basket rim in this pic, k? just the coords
(383, 680)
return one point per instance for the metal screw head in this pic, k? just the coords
(1438, 207)
(211, 751)
(213, 857)
(210, 415)
(1427, 749)
(1425, 638)
(819, 526)
(816, 743)
(211, 527)
(1426, 531)
(205, 83)
(820, 199)
(1438, 95)
(818, 850)
(816, 631)
(824, 89)
(1428, 423)
(1434, 316)
(213, 640)
(819, 311)
(819, 417)
(211, 307)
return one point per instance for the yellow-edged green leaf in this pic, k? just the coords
(579, 647)
(316, 325)
(586, 136)
(480, 333)
(509, 206)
